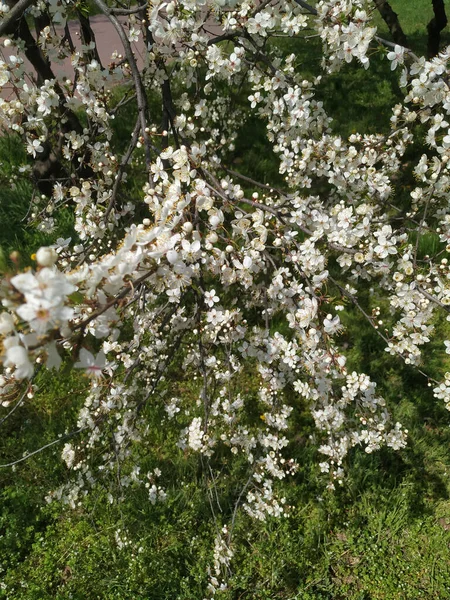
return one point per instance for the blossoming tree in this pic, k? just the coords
(200, 271)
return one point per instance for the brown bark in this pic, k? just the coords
(391, 19)
(88, 36)
(435, 26)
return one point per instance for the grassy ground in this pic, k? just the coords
(384, 536)
(414, 16)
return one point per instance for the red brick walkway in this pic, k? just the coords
(107, 41)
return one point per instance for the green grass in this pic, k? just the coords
(18, 230)
(414, 16)
(385, 534)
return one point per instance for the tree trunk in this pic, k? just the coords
(435, 26)
(391, 19)
(88, 36)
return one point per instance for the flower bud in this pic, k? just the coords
(46, 257)
(6, 323)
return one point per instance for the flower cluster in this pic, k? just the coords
(344, 26)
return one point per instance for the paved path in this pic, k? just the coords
(107, 40)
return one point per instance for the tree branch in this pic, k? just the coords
(131, 11)
(307, 7)
(11, 18)
(88, 36)
(30, 454)
(140, 92)
(122, 167)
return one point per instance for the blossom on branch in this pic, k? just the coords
(94, 366)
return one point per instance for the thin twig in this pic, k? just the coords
(122, 167)
(19, 403)
(122, 12)
(30, 454)
(433, 299)
(139, 87)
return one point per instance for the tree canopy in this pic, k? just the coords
(205, 294)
